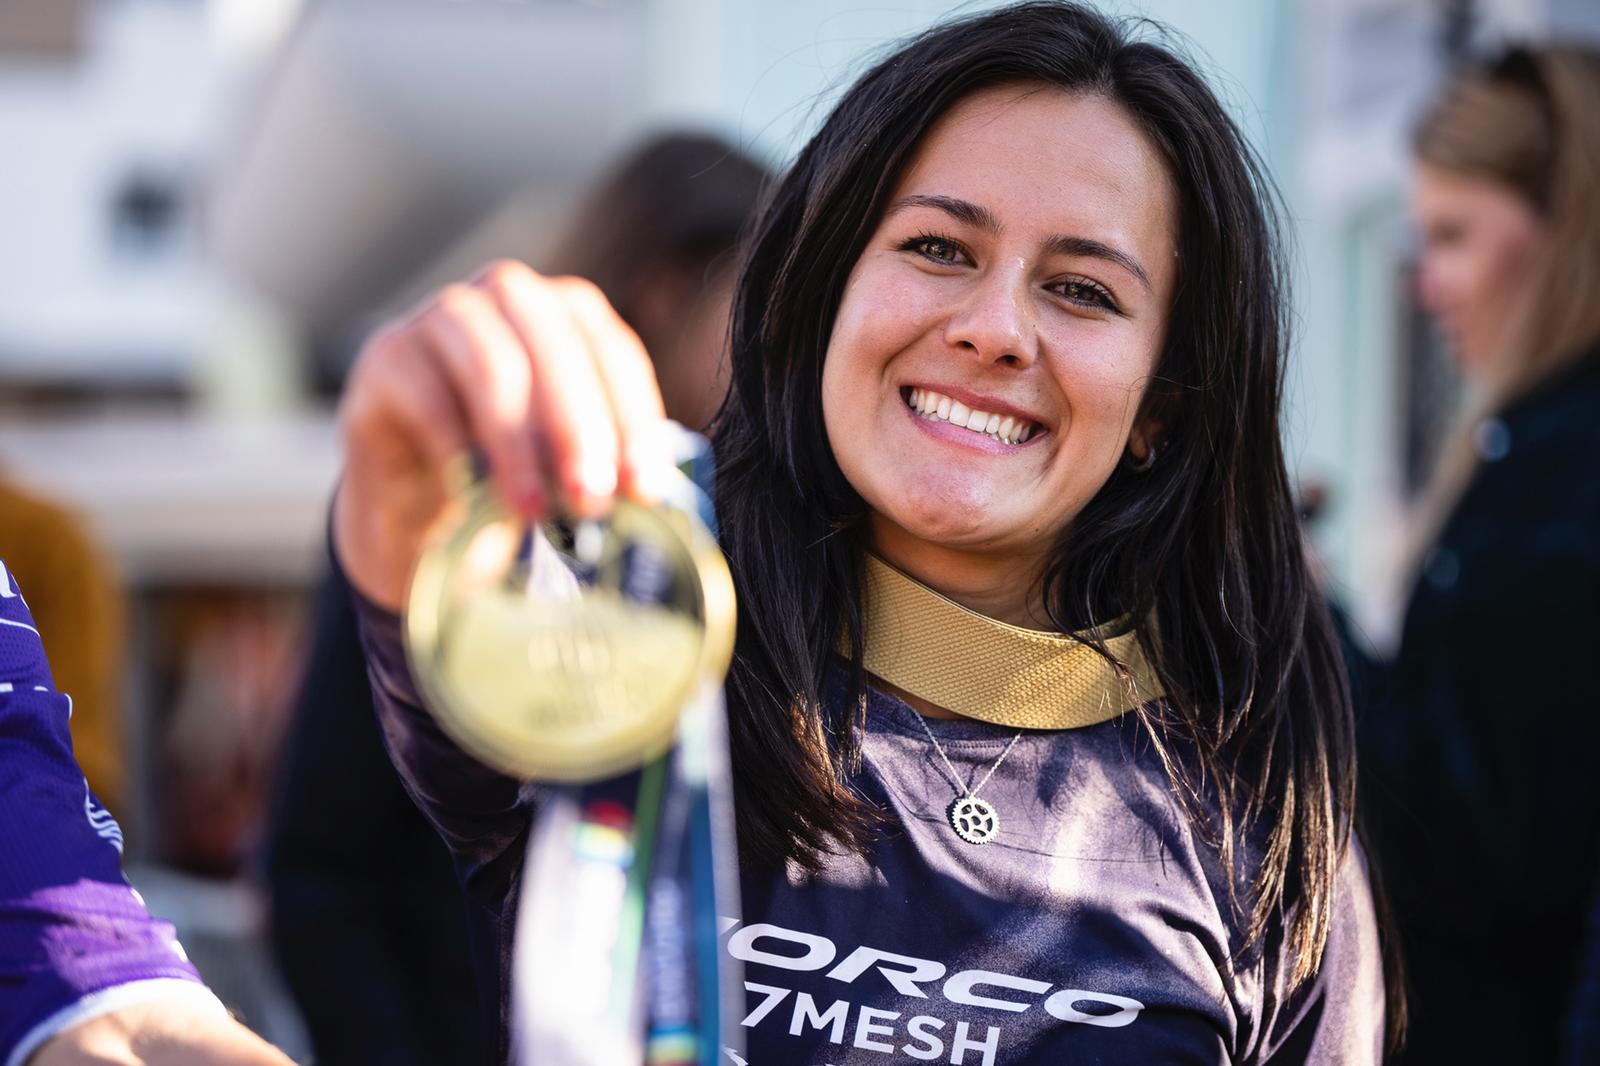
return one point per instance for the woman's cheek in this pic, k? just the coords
(876, 318)
(1104, 373)
(903, 307)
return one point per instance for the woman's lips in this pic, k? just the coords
(1005, 427)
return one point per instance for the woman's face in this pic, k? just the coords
(1023, 270)
(1481, 243)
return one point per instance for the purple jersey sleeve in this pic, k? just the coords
(75, 938)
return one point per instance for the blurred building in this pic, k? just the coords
(207, 201)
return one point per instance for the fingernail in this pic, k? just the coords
(530, 502)
(652, 476)
(597, 476)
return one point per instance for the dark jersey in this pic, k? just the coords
(1096, 928)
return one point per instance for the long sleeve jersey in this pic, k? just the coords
(1096, 928)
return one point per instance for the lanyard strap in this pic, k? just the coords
(616, 958)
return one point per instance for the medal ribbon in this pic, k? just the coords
(616, 959)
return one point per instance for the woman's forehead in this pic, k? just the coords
(1045, 160)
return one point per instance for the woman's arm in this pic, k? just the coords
(171, 1031)
(84, 969)
(482, 815)
(541, 378)
(1337, 1017)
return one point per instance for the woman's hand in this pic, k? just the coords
(159, 1033)
(537, 374)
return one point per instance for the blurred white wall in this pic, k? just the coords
(766, 71)
(388, 128)
(138, 97)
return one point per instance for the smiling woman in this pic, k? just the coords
(1002, 285)
(1041, 743)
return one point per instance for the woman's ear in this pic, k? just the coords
(1149, 429)
(1144, 442)
(1145, 436)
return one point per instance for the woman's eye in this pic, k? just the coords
(939, 249)
(1445, 235)
(1086, 293)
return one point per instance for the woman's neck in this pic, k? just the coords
(1002, 586)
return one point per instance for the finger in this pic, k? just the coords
(400, 419)
(489, 373)
(396, 408)
(420, 403)
(630, 383)
(574, 413)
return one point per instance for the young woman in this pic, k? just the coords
(1483, 758)
(1006, 359)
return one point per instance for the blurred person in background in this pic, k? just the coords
(87, 976)
(368, 920)
(77, 601)
(1483, 754)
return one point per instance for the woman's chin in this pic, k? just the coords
(943, 524)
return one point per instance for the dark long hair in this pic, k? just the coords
(679, 202)
(1256, 726)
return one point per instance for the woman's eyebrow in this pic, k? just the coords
(976, 215)
(963, 211)
(1088, 246)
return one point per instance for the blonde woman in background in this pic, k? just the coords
(1483, 756)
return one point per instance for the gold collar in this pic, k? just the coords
(934, 648)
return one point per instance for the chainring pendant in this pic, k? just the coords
(974, 820)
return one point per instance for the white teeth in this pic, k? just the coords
(1004, 428)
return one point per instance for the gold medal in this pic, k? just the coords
(566, 652)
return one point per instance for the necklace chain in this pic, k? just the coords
(948, 765)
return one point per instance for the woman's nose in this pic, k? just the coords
(996, 320)
(1440, 282)
(1427, 286)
